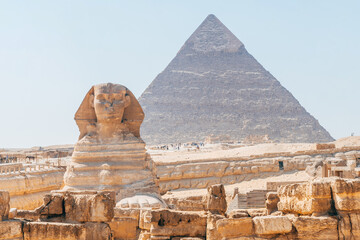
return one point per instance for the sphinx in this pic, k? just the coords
(110, 154)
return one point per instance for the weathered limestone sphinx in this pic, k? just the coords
(110, 155)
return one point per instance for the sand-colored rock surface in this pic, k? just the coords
(313, 197)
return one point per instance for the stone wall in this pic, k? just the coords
(206, 172)
(326, 208)
(27, 188)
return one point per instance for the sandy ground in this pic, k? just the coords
(217, 151)
(244, 186)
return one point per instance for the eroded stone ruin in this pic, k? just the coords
(325, 208)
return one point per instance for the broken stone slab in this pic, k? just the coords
(272, 200)
(238, 213)
(176, 223)
(30, 215)
(124, 228)
(89, 206)
(216, 199)
(346, 194)
(256, 212)
(324, 227)
(313, 197)
(4, 204)
(234, 227)
(124, 213)
(268, 225)
(53, 204)
(349, 226)
(12, 213)
(11, 230)
(66, 231)
(187, 238)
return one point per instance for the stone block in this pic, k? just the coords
(268, 225)
(30, 215)
(4, 204)
(272, 200)
(235, 227)
(306, 198)
(256, 212)
(127, 213)
(53, 204)
(89, 206)
(54, 231)
(238, 213)
(216, 199)
(316, 227)
(145, 219)
(174, 223)
(66, 231)
(349, 226)
(12, 213)
(124, 228)
(97, 231)
(11, 230)
(346, 194)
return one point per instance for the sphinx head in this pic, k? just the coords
(109, 104)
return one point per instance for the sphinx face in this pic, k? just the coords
(110, 102)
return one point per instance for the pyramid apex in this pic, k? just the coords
(212, 36)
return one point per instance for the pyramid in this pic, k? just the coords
(213, 86)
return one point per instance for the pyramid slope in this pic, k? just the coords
(214, 86)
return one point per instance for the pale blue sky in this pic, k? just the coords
(52, 52)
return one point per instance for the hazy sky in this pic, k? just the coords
(52, 52)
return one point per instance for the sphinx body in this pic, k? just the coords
(110, 155)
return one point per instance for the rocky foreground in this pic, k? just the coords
(319, 209)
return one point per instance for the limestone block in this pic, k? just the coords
(175, 223)
(187, 238)
(30, 215)
(272, 200)
(11, 230)
(211, 231)
(54, 231)
(53, 204)
(144, 235)
(124, 228)
(97, 231)
(305, 198)
(268, 225)
(12, 213)
(190, 203)
(216, 199)
(349, 226)
(235, 227)
(256, 212)
(145, 219)
(316, 227)
(346, 194)
(238, 213)
(127, 213)
(4, 204)
(90, 206)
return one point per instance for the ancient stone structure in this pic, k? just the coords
(305, 211)
(28, 183)
(201, 173)
(214, 86)
(110, 155)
